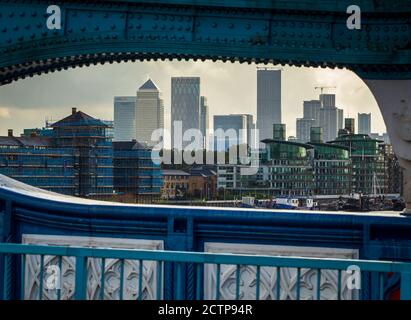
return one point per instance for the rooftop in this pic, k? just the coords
(25, 141)
(355, 137)
(171, 172)
(298, 144)
(128, 145)
(148, 85)
(79, 118)
(328, 145)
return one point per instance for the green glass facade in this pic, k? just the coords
(368, 164)
(285, 170)
(288, 168)
(332, 169)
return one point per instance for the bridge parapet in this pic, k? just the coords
(39, 217)
(250, 277)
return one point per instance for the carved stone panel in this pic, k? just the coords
(269, 275)
(112, 270)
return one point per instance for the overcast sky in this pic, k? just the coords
(229, 88)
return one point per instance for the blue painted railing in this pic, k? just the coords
(16, 253)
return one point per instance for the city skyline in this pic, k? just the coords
(91, 90)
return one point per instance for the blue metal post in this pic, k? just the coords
(318, 284)
(22, 276)
(121, 287)
(160, 289)
(405, 285)
(41, 276)
(140, 279)
(278, 285)
(217, 282)
(257, 283)
(6, 278)
(5, 226)
(199, 280)
(102, 278)
(81, 278)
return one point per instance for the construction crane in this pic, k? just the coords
(324, 87)
(269, 68)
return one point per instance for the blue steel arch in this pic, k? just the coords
(301, 33)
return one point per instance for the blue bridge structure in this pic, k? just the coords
(173, 252)
(58, 247)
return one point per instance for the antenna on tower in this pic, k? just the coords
(324, 87)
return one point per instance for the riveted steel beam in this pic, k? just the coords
(281, 32)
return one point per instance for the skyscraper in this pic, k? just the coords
(279, 131)
(304, 128)
(329, 117)
(124, 118)
(149, 112)
(204, 119)
(312, 110)
(185, 107)
(340, 121)
(364, 123)
(268, 101)
(327, 100)
(350, 125)
(239, 124)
